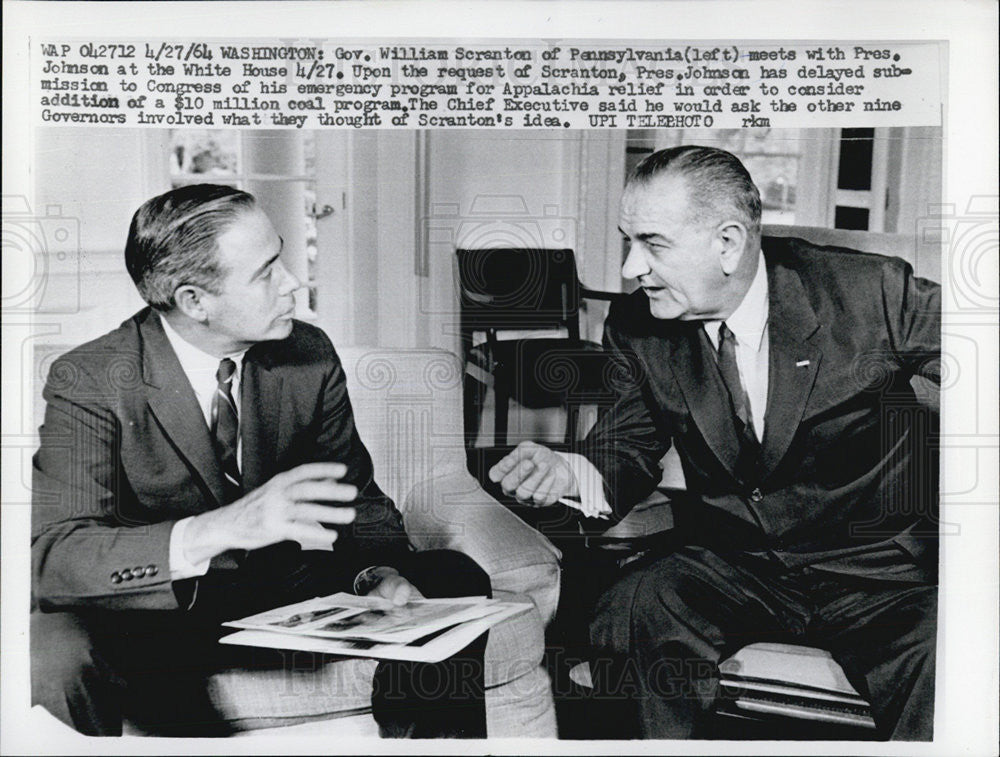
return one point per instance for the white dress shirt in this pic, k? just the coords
(749, 325)
(200, 369)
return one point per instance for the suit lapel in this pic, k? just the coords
(703, 391)
(792, 363)
(260, 405)
(173, 402)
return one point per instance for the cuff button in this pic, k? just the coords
(152, 570)
(138, 571)
(127, 574)
(116, 578)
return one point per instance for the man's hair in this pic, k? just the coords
(172, 240)
(718, 185)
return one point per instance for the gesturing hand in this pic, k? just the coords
(535, 475)
(288, 507)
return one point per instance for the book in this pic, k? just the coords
(423, 630)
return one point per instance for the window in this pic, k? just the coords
(279, 168)
(773, 157)
(861, 194)
(807, 177)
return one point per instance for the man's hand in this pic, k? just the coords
(393, 586)
(535, 475)
(288, 507)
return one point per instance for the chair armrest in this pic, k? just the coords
(451, 511)
(597, 294)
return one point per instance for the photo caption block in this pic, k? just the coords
(283, 84)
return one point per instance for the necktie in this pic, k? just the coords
(743, 420)
(226, 429)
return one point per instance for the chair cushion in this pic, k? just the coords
(524, 708)
(336, 697)
(301, 690)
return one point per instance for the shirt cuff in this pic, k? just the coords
(590, 484)
(180, 566)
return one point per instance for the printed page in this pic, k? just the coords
(368, 618)
(432, 647)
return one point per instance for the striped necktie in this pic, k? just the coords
(226, 430)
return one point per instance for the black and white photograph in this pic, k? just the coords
(676, 341)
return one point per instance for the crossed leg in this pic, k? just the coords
(884, 637)
(659, 633)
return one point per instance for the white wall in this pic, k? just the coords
(386, 267)
(419, 196)
(94, 179)
(378, 282)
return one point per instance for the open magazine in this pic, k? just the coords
(427, 630)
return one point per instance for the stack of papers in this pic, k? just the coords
(423, 630)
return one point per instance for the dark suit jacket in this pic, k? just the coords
(125, 453)
(847, 479)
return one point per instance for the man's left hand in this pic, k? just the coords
(394, 587)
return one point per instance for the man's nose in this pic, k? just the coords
(635, 264)
(289, 281)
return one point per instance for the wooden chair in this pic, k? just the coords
(525, 304)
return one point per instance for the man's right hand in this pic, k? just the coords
(289, 507)
(535, 475)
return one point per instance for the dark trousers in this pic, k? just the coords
(93, 668)
(661, 630)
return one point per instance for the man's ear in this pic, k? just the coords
(189, 300)
(732, 239)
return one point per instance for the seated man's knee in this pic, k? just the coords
(453, 512)
(639, 602)
(62, 651)
(69, 676)
(610, 628)
(921, 658)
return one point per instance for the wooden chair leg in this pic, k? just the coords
(572, 419)
(472, 407)
(501, 400)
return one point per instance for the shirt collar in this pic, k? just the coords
(749, 321)
(194, 361)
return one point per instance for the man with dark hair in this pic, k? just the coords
(782, 376)
(201, 463)
(172, 240)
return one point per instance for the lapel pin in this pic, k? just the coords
(802, 364)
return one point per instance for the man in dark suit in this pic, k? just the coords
(782, 375)
(201, 463)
